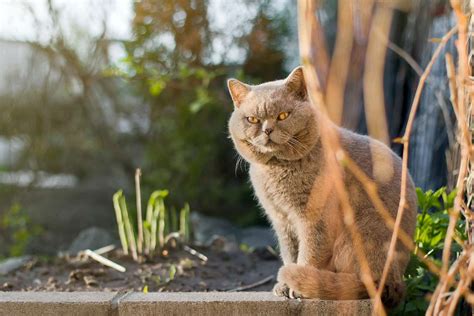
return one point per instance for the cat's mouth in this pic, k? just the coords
(267, 146)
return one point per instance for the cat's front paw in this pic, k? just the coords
(282, 290)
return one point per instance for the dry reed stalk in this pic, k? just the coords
(308, 27)
(138, 174)
(331, 145)
(462, 288)
(363, 10)
(406, 141)
(340, 61)
(453, 270)
(374, 99)
(460, 99)
(451, 74)
(401, 53)
(337, 155)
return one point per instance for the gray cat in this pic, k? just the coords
(275, 128)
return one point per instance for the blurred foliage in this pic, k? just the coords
(163, 107)
(187, 149)
(432, 224)
(16, 231)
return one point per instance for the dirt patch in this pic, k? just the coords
(177, 271)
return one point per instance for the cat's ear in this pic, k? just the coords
(238, 90)
(295, 83)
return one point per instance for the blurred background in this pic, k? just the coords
(91, 90)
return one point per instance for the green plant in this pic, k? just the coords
(159, 225)
(432, 223)
(16, 231)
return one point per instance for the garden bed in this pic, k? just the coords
(176, 270)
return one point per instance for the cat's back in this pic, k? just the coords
(381, 165)
(375, 158)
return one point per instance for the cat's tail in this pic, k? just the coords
(311, 282)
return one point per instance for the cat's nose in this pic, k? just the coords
(268, 130)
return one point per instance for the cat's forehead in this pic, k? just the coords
(264, 95)
(268, 89)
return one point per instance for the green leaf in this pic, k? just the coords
(172, 272)
(156, 87)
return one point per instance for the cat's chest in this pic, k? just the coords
(286, 187)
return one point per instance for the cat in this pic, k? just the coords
(276, 129)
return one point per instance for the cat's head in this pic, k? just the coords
(273, 120)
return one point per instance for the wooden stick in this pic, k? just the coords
(104, 261)
(196, 253)
(105, 249)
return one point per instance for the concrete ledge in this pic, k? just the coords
(55, 303)
(191, 303)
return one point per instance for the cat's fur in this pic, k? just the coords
(288, 170)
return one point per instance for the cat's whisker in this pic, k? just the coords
(294, 147)
(295, 144)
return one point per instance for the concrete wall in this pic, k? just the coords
(140, 304)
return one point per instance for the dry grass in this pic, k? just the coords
(454, 279)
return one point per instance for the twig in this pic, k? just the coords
(400, 52)
(104, 261)
(196, 253)
(253, 285)
(451, 74)
(104, 250)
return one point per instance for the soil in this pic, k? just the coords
(174, 270)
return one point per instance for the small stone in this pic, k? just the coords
(258, 237)
(205, 228)
(221, 243)
(91, 238)
(12, 264)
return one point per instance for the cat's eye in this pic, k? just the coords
(283, 116)
(252, 119)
